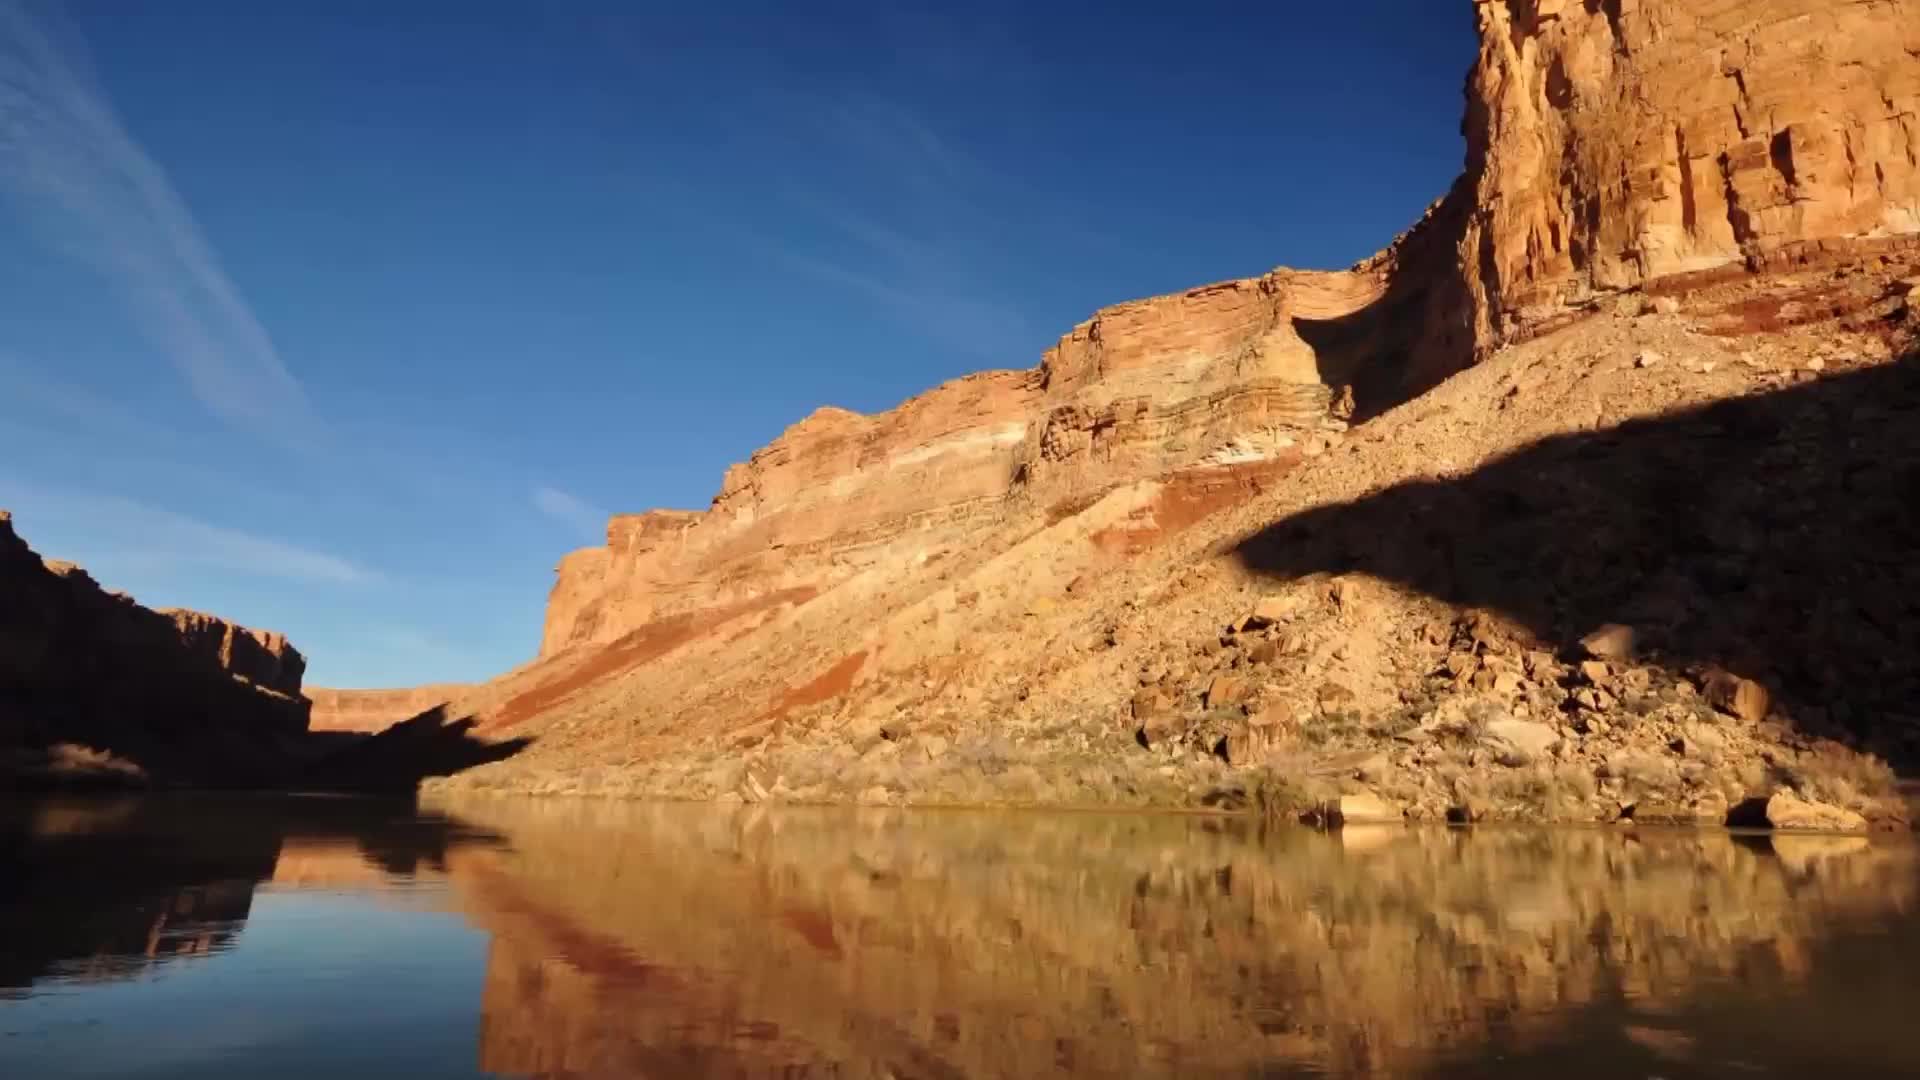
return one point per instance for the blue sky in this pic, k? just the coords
(348, 319)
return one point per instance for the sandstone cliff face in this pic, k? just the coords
(1611, 146)
(178, 694)
(368, 711)
(1732, 182)
(1615, 143)
(1230, 375)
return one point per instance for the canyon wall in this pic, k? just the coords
(170, 692)
(1661, 169)
(368, 711)
(1236, 374)
(1611, 145)
(1616, 143)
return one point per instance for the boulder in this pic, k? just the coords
(1226, 690)
(1786, 811)
(1613, 641)
(1362, 809)
(1247, 743)
(1518, 742)
(1273, 609)
(1736, 696)
(1156, 717)
(1350, 597)
(1151, 703)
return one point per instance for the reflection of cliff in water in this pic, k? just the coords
(645, 940)
(94, 889)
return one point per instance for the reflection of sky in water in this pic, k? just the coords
(314, 984)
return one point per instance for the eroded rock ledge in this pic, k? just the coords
(1220, 375)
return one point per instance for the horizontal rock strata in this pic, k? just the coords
(368, 711)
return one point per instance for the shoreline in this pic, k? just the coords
(1225, 794)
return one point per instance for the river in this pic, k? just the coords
(296, 937)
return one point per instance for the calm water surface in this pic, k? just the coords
(319, 937)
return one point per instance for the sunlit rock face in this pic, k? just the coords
(1221, 375)
(1669, 146)
(1612, 143)
(367, 711)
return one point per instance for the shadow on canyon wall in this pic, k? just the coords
(400, 757)
(222, 753)
(1410, 339)
(108, 888)
(1773, 534)
(225, 754)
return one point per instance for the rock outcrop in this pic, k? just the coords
(369, 711)
(1242, 373)
(1616, 144)
(90, 681)
(1666, 203)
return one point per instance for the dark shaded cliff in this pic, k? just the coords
(94, 686)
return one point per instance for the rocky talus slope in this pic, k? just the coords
(1589, 498)
(94, 686)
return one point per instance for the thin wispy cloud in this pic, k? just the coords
(898, 136)
(582, 517)
(122, 533)
(57, 403)
(419, 654)
(76, 174)
(955, 186)
(988, 330)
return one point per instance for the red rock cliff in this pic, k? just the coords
(369, 711)
(1614, 143)
(1234, 374)
(179, 694)
(1612, 146)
